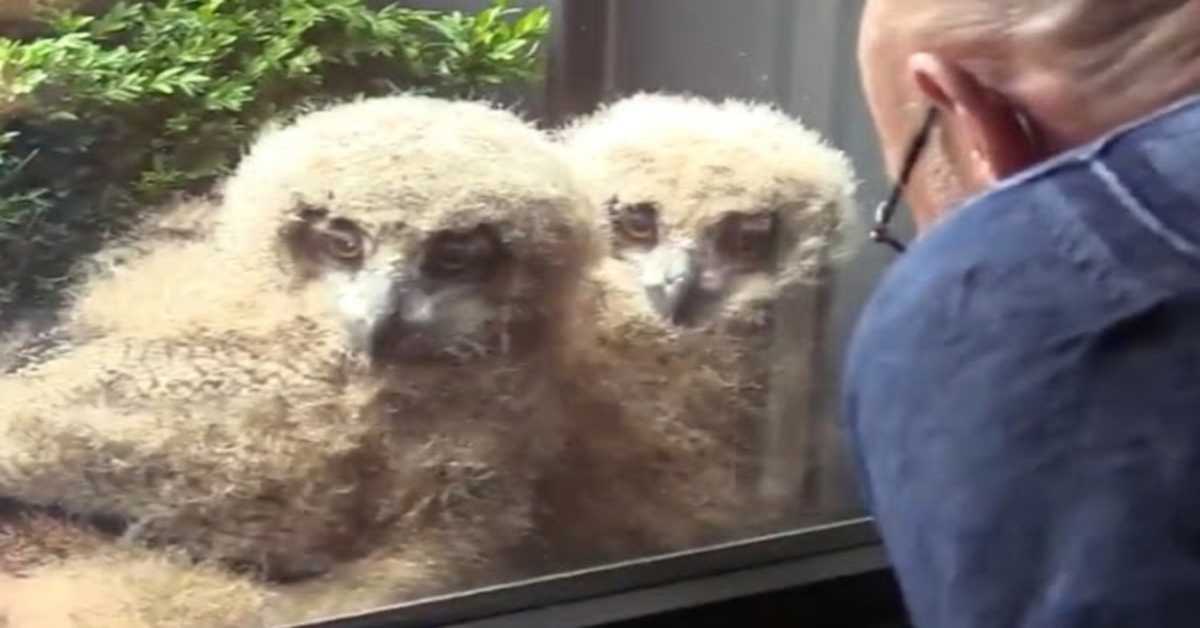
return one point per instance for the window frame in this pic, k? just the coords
(647, 586)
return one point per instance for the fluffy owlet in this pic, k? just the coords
(358, 374)
(715, 213)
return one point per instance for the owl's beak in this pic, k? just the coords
(381, 311)
(669, 275)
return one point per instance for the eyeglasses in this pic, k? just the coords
(887, 210)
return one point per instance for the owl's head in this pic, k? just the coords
(435, 231)
(713, 207)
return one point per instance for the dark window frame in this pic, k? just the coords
(648, 586)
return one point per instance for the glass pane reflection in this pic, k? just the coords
(298, 320)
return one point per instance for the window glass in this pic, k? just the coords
(309, 307)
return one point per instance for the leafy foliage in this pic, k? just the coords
(107, 114)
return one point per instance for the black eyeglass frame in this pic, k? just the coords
(880, 231)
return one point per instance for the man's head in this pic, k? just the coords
(1016, 81)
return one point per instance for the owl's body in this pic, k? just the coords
(714, 212)
(357, 374)
(37, 335)
(131, 587)
(208, 441)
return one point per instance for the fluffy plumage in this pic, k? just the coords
(37, 334)
(130, 587)
(359, 374)
(714, 212)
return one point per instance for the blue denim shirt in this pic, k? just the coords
(1022, 395)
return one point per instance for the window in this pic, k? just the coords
(295, 325)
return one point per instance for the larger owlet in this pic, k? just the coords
(360, 372)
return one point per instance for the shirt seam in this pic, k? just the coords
(1128, 201)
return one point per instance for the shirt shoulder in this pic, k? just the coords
(1019, 394)
(1008, 273)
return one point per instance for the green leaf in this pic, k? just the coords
(70, 22)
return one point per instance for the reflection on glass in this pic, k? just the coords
(296, 325)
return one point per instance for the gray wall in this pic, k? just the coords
(799, 54)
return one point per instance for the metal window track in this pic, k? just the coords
(645, 586)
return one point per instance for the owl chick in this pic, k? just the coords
(130, 587)
(36, 335)
(29, 537)
(714, 212)
(357, 373)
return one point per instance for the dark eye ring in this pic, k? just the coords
(343, 241)
(748, 236)
(452, 258)
(639, 222)
(455, 254)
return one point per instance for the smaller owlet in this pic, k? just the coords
(715, 212)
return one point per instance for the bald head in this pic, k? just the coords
(1050, 74)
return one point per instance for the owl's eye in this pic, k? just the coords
(747, 237)
(463, 255)
(638, 222)
(342, 240)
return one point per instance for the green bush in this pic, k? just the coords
(106, 115)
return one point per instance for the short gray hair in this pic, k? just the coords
(1101, 44)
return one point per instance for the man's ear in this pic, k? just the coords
(991, 128)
